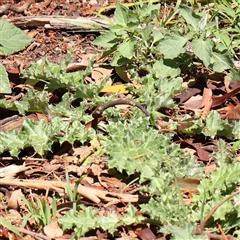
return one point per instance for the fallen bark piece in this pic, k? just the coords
(58, 22)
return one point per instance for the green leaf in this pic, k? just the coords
(224, 38)
(164, 71)
(222, 61)
(146, 32)
(63, 108)
(107, 40)
(203, 49)
(166, 208)
(81, 223)
(157, 35)
(222, 156)
(213, 124)
(12, 38)
(38, 134)
(145, 151)
(4, 86)
(134, 146)
(131, 217)
(236, 129)
(10, 227)
(184, 232)
(88, 220)
(12, 141)
(119, 60)
(216, 187)
(235, 146)
(234, 74)
(121, 15)
(77, 132)
(172, 45)
(126, 48)
(55, 76)
(156, 91)
(190, 17)
(110, 223)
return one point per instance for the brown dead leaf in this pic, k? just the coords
(146, 234)
(95, 169)
(41, 116)
(78, 170)
(206, 101)
(184, 125)
(202, 154)
(15, 122)
(231, 112)
(201, 103)
(73, 67)
(193, 103)
(13, 71)
(52, 230)
(189, 150)
(187, 202)
(49, 167)
(15, 199)
(184, 96)
(33, 33)
(98, 75)
(42, 4)
(78, 66)
(14, 76)
(82, 152)
(11, 123)
(210, 168)
(111, 182)
(238, 158)
(188, 184)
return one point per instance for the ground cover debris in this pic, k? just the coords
(119, 120)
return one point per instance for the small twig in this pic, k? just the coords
(22, 158)
(219, 237)
(32, 234)
(220, 229)
(99, 110)
(199, 229)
